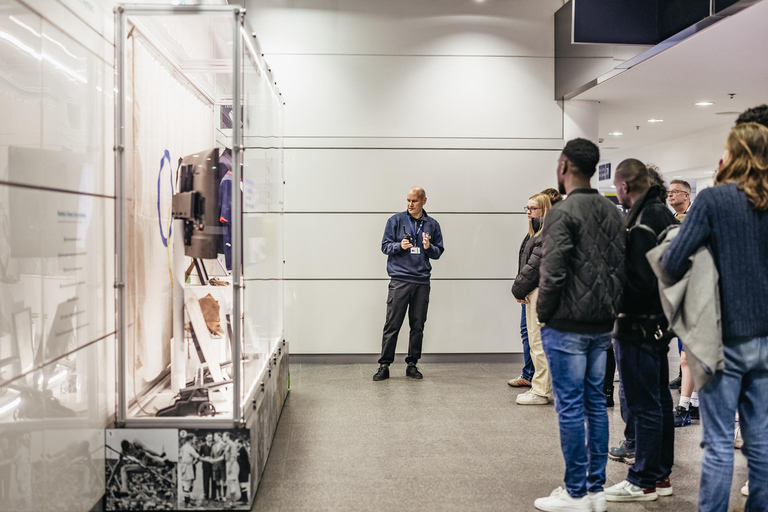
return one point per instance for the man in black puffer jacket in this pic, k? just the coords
(580, 285)
(641, 341)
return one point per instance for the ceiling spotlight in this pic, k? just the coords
(704, 104)
(655, 120)
(615, 134)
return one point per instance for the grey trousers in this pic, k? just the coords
(403, 297)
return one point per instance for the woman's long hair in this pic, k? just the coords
(545, 203)
(747, 145)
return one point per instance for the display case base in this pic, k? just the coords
(197, 464)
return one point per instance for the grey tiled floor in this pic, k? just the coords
(455, 441)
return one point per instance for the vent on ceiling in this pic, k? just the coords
(729, 113)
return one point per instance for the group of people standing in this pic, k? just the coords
(597, 286)
(602, 289)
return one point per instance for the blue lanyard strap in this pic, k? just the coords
(413, 228)
(166, 156)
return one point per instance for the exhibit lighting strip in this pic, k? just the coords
(44, 36)
(42, 56)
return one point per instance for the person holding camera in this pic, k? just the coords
(411, 238)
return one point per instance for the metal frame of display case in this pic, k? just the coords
(278, 358)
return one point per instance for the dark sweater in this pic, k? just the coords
(737, 236)
(404, 265)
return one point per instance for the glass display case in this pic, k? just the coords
(201, 359)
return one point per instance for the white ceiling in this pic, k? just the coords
(730, 56)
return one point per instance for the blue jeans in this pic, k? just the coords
(644, 371)
(528, 369)
(577, 364)
(742, 385)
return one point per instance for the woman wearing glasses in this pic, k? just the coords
(526, 288)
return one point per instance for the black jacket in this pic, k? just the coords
(520, 260)
(641, 306)
(582, 267)
(527, 278)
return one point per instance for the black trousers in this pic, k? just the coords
(403, 297)
(644, 371)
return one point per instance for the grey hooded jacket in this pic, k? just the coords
(692, 307)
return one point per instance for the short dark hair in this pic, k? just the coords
(685, 184)
(584, 155)
(554, 196)
(755, 115)
(658, 180)
(634, 172)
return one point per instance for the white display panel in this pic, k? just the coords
(405, 96)
(426, 27)
(347, 317)
(56, 264)
(337, 180)
(349, 246)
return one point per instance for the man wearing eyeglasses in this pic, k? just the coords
(679, 198)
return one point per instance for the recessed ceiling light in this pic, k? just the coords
(615, 134)
(655, 120)
(704, 104)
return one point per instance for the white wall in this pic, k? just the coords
(454, 96)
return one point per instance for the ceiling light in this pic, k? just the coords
(615, 134)
(704, 104)
(655, 120)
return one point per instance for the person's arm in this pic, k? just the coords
(434, 244)
(639, 271)
(557, 247)
(391, 241)
(528, 278)
(694, 233)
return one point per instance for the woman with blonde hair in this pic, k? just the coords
(526, 287)
(731, 220)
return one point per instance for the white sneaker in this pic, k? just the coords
(531, 398)
(561, 501)
(625, 491)
(597, 501)
(745, 489)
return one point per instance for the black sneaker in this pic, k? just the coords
(675, 384)
(694, 412)
(682, 416)
(382, 373)
(413, 372)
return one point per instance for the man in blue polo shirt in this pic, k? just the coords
(410, 240)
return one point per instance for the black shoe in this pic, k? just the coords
(609, 397)
(682, 416)
(675, 384)
(413, 372)
(382, 373)
(694, 412)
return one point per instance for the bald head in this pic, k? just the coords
(416, 198)
(418, 191)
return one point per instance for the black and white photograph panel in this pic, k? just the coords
(15, 470)
(67, 468)
(214, 469)
(141, 467)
